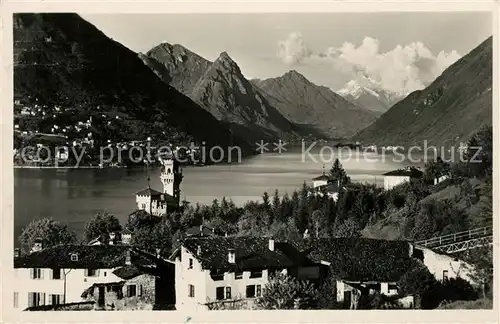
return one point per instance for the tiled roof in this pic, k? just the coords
(149, 192)
(250, 253)
(89, 256)
(361, 259)
(411, 172)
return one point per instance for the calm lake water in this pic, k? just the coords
(73, 196)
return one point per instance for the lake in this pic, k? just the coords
(73, 196)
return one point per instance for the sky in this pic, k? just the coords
(399, 52)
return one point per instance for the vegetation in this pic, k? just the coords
(100, 226)
(46, 230)
(285, 292)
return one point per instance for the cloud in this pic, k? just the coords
(401, 70)
(293, 50)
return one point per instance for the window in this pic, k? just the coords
(445, 274)
(191, 290)
(219, 293)
(251, 291)
(143, 206)
(228, 292)
(36, 299)
(254, 291)
(256, 274)
(16, 299)
(238, 275)
(55, 299)
(190, 264)
(104, 273)
(56, 274)
(131, 290)
(36, 273)
(90, 272)
(74, 257)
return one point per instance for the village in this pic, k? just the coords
(211, 269)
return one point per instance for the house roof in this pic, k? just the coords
(411, 172)
(200, 231)
(131, 271)
(89, 256)
(149, 192)
(90, 289)
(250, 253)
(360, 259)
(322, 177)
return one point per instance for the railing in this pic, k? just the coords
(456, 237)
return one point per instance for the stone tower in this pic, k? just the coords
(171, 178)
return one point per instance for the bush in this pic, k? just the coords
(285, 292)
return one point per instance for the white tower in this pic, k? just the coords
(171, 177)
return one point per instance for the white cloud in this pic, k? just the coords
(293, 50)
(403, 69)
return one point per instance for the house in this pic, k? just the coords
(441, 179)
(210, 269)
(360, 265)
(199, 231)
(331, 189)
(397, 177)
(59, 274)
(320, 180)
(142, 287)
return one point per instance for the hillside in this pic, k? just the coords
(303, 102)
(62, 60)
(447, 112)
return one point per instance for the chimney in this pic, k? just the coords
(231, 255)
(37, 245)
(158, 253)
(271, 244)
(112, 237)
(201, 230)
(128, 258)
(411, 248)
(198, 250)
(17, 252)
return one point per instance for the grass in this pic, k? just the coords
(472, 304)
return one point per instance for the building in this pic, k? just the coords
(397, 177)
(331, 190)
(59, 274)
(321, 180)
(228, 269)
(159, 203)
(211, 269)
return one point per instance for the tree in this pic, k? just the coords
(482, 260)
(349, 228)
(434, 169)
(338, 174)
(49, 231)
(101, 225)
(319, 223)
(418, 281)
(480, 153)
(154, 239)
(285, 292)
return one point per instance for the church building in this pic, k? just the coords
(159, 203)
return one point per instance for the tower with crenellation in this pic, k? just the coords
(171, 178)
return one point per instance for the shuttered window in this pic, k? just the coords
(16, 299)
(36, 273)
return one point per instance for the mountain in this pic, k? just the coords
(222, 90)
(369, 96)
(176, 66)
(452, 108)
(61, 59)
(304, 102)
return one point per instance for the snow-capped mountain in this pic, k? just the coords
(369, 95)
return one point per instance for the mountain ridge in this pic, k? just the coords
(450, 110)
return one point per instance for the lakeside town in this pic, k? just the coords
(420, 239)
(281, 253)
